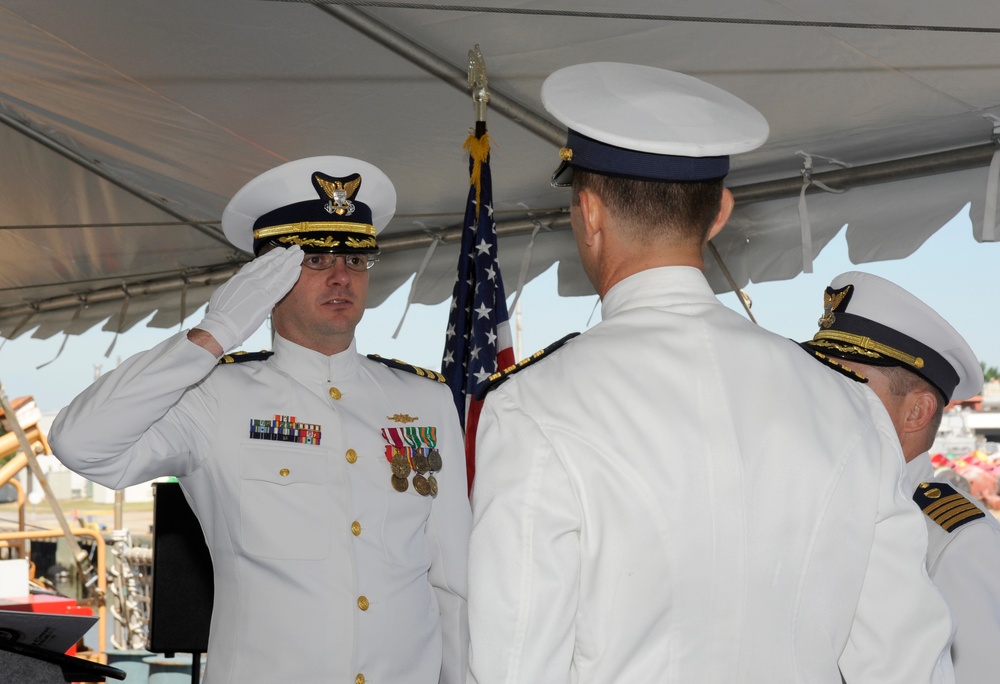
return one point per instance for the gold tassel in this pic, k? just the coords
(479, 150)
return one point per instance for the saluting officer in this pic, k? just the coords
(330, 486)
(915, 361)
(673, 495)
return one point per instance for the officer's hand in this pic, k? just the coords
(244, 301)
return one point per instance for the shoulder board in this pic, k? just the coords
(499, 377)
(242, 357)
(945, 505)
(837, 366)
(403, 366)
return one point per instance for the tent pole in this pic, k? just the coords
(90, 165)
(871, 174)
(444, 70)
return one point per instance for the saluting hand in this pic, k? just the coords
(244, 301)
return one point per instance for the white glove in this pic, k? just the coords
(244, 301)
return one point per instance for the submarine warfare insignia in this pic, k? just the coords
(413, 450)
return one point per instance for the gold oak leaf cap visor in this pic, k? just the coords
(323, 204)
(647, 123)
(871, 320)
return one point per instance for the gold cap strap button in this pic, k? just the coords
(351, 456)
(356, 528)
(363, 603)
(335, 394)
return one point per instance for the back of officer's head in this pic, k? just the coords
(654, 145)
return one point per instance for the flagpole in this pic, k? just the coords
(478, 339)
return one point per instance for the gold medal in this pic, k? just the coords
(400, 484)
(421, 485)
(420, 463)
(434, 460)
(400, 465)
(434, 485)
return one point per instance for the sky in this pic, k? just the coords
(951, 272)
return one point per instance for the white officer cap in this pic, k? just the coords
(323, 204)
(647, 123)
(871, 320)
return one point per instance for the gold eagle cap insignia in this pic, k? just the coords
(832, 299)
(333, 187)
(402, 418)
(339, 192)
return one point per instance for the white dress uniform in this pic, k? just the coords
(963, 559)
(673, 497)
(323, 571)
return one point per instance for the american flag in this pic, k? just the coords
(478, 340)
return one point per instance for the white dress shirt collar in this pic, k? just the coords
(658, 287)
(303, 363)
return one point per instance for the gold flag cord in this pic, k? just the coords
(479, 150)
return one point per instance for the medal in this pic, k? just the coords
(434, 485)
(400, 484)
(421, 485)
(434, 460)
(400, 465)
(420, 462)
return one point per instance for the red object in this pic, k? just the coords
(45, 603)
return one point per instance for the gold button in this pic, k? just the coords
(284, 472)
(356, 528)
(362, 603)
(335, 393)
(360, 679)
(351, 456)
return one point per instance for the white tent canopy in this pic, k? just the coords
(125, 128)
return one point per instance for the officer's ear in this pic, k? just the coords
(593, 214)
(922, 405)
(725, 211)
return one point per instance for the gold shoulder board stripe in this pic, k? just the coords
(946, 506)
(409, 368)
(499, 377)
(243, 357)
(837, 366)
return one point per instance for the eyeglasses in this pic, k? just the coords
(353, 262)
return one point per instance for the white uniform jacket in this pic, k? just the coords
(964, 562)
(323, 571)
(678, 495)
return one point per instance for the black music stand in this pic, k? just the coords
(183, 586)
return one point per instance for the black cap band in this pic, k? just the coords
(863, 340)
(593, 155)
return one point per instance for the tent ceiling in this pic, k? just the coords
(127, 126)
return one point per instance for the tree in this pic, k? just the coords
(989, 372)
